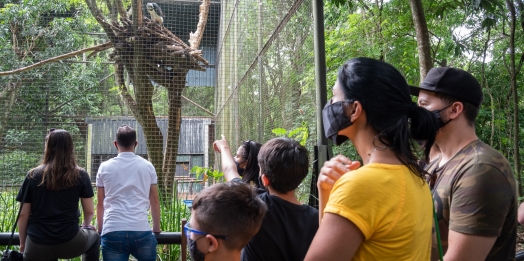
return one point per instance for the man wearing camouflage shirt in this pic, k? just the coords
(473, 186)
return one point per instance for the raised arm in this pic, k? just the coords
(155, 208)
(228, 164)
(332, 170)
(88, 209)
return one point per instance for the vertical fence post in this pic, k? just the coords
(183, 246)
(322, 150)
(89, 148)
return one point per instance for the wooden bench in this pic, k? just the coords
(164, 238)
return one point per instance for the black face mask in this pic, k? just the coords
(335, 120)
(239, 169)
(196, 255)
(440, 122)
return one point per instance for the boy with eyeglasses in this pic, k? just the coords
(224, 218)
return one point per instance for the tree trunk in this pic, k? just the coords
(173, 129)
(513, 76)
(423, 44)
(485, 85)
(7, 101)
(141, 61)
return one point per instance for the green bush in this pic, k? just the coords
(15, 165)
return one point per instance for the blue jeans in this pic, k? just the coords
(118, 245)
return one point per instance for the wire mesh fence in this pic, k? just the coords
(205, 68)
(265, 71)
(256, 57)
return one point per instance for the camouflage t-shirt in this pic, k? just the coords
(475, 193)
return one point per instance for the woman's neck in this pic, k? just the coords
(371, 150)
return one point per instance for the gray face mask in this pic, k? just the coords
(440, 122)
(335, 120)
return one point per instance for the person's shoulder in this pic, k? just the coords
(369, 174)
(37, 171)
(264, 195)
(108, 162)
(488, 154)
(484, 155)
(143, 160)
(313, 211)
(83, 172)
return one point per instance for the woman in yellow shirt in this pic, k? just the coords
(382, 210)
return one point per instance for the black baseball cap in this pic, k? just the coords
(454, 82)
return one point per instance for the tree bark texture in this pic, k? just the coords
(423, 44)
(7, 101)
(150, 52)
(513, 76)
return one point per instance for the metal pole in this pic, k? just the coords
(322, 151)
(320, 66)
(260, 75)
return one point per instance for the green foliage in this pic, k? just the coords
(206, 172)
(172, 211)
(9, 210)
(15, 165)
(301, 134)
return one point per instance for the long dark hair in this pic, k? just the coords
(58, 167)
(251, 149)
(384, 95)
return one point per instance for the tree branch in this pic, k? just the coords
(198, 105)
(99, 47)
(137, 15)
(195, 38)
(113, 15)
(519, 66)
(91, 4)
(120, 8)
(120, 82)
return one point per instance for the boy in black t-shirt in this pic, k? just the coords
(230, 214)
(289, 226)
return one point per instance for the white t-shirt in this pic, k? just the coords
(126, 180)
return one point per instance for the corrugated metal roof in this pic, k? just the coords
(193, 134)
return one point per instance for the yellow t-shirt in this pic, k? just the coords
(391, 206)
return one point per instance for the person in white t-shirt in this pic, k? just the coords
(126, 190)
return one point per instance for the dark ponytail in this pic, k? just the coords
(251, 149)
(423, 127)
(384, 95)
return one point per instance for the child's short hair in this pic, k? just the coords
(284, 162)
(231, 209)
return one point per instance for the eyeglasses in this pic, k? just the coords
(344, 101)
(188, 230)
